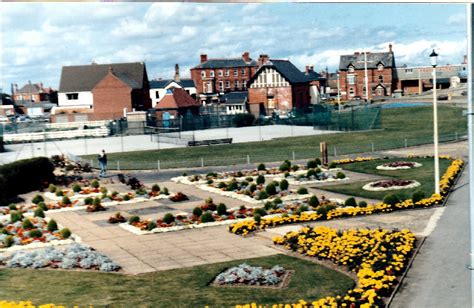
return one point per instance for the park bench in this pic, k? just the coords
(194, 143)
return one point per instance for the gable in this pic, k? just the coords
(268, 77)
(111, 81)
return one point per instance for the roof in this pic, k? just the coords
(86, 77)
(226, 63)
(373, 59)
(235, 98)
(161, 84)
(178, 98)
(31, 88)
(286, 69)
(312, 75)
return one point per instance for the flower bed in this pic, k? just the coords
(17, 233)
(384, 185)
(27, 304)
(246, 275)
(399, 165)
(447, 180)
(377, 257)
(73, 256)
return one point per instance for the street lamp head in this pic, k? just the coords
(434, 58)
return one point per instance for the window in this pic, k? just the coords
(211, 73)
(242, 72)
(203, 74)
(351, 91)
(380, 78)
(380, 67)
(227, 84)
(72, 96)
(236, 85)
(221, 86)
(244, 84)
(219, 73)
(351, 79)
(409, 70)
(351, 69)
(236, 72)
(209, 87)
(157, 94)
(227, 72)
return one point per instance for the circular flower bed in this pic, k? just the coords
(399, 165)
(246, 275)
(391, 185)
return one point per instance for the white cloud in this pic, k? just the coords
(457, 19)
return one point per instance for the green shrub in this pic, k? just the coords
(114, 194)
(12, 206)
(332, 165)
(39, 212)
(52, 225)
(210, 181)
(37, 199)
(15, 216)
(317, 161)
(323, 211)
(286, 174)
(257, 218)
(133, 219)
(277, 201)
(268, 205)
(95, 184)
(262, 195)
(88, 201)
(286, 166)
(43, 206)
(221, 185)
(318, 170)
(59, 193)
(8, 241)
(391, 199)
(104, 190)
(168, 218)
(260, 210)
(65, 233)
(207, 217)
(155, 188)
(295, 167)
(197, 211)
(351, 201)
(184, 174)
(362, 203)
(35, 233)
(244, 184)
(302, 191)
(253, 187)
(151, 225)
(313, 201)
(239, 174)
(340, 175)
(126, 197)
(284, 185)
(310, 173)
(232, 186)
(249, 179)
(261, 167)
(221, 209)
(166, 191)
(285, 215)
(66, 200)
(27, 224)
(243, 119)
(303, 208)
(52, 188)
(270, 189)
(76, 188)
(260, 179)
(418, 196)
(311, 164)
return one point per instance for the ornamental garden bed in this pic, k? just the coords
(74, 256)
(399, 165)
(385, 185)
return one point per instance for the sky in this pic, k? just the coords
(37, 39)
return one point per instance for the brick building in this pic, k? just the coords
(158, 88)
(176, 102)
(101, 92)
(380, 74)
(214, 77)
(278, 87)
(32, 92)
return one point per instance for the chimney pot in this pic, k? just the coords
(203, 58)
(263, 59)
(465, 59)
(390, 47)
(176, 72)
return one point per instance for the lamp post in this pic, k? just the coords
(434, 63)
(338, 93)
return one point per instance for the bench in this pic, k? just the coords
(194, 143)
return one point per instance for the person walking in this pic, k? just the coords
(102, 163)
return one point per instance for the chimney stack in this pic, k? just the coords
(176, 72)
(262, 60)
(390, 48)
(246, 56)
(465, 60)
(356, 53)
(203, 58)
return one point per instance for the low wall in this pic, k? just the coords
(69, 134)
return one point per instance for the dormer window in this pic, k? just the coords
(380, 67)
(350, 69)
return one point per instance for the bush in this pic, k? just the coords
(12, 206)
(310, 173)
(88, 201)
(168, 218)
(35, 233)
(210, 181)
(52, 188)
(271, 189)
(268, 205)
(184, 174)
(317, 161)
(151, 225)
(66, 200)
(243, 119)
(37, 199)
(27, 224)
(133, 219)
(302, 191)
(39, 212)
(318, 170)
(350, 202)
(311, 164)
(418, 196)
(232, 186)
(207, 217)
(76, 188)
(362, 203)
(104, 190)
(260, 179)
(52, 225)
(59, 193)
(340, 175)
(257, 218)
(313, 201)
(260, 210)
(262, 195)
(249, 179)
(126, 197)
(165, 191)
(8, 241)
(295, 167)
(43, 206)
(303, 208)
(323, 211)
(332, 165)
(286, 174)
(253, 187)
(221, 209)
(261, 167)
(155, 188)
(286, 166)
(65, 233)
(221, 185)
(391, 199)
(15, 216)
(197, 211)
(95, 184)
(284, 185)
(277, 201)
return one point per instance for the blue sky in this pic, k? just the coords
(37, 39)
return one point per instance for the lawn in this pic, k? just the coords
(400, 126)
(423, 174)
(174, 288)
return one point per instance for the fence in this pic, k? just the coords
(67, 134)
